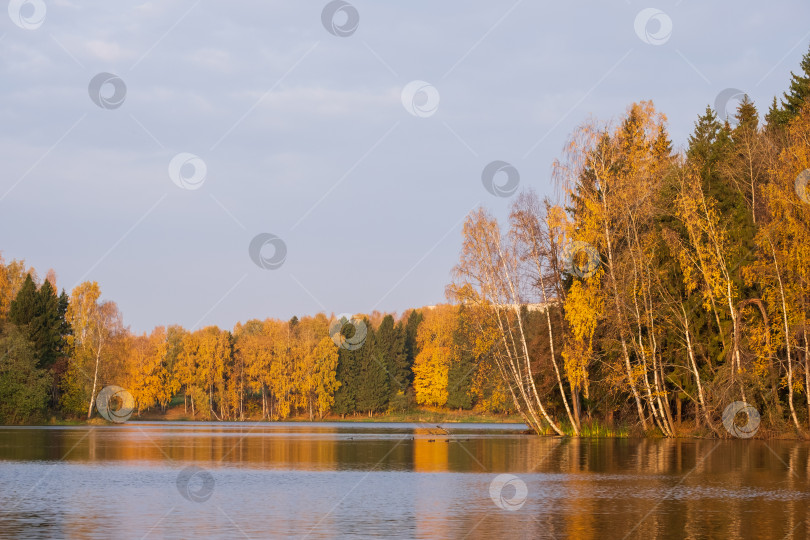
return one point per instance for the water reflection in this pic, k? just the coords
(392, 480)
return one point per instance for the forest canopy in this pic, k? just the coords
(677, 283)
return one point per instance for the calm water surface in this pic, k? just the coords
(238, 480)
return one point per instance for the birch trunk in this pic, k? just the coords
(620, 319)
(95, 380)
(787, 338)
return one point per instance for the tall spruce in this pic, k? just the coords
(796, 96)
(462, 368)
(390, 344)
(372, 384)
(347, 375)
(24, 307)
(411, 347)
(41, 315)
(24, 387)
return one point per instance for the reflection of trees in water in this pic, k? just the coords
(577, 488)
(678, 488)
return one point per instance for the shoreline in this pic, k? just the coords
(509, 422)
(427, 417)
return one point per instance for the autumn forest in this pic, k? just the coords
(655, 289)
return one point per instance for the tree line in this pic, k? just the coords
(678, 283)
(58, 351)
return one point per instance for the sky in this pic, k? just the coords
(212, 162)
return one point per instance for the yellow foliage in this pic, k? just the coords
(432, 364)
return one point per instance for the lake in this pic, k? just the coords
(326, 480)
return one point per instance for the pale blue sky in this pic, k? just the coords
(304, 134)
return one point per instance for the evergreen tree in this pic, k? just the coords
(663, 144)
(796, 96)
(50, 327)
(716, 152)
(390, 343)
(64, 302)
(24, 307)
(703, 141)
(772, 118)
(462, 368)
(372, 384)
(411, 347)
(346, 375)
(746, 167)
(747, 115)
(23, 387)
(709, 149)
(42, 316)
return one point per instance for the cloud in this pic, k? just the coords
(204, 73)
(106, 51)
(213, 59)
